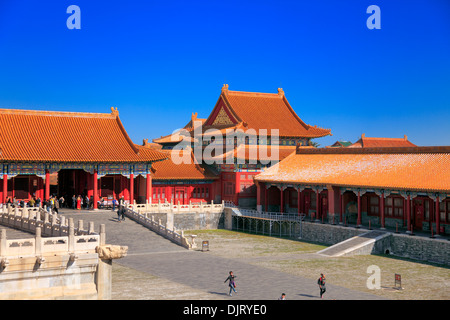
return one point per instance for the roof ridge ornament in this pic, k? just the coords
(280, 92)
(225, 88)
(114, 112)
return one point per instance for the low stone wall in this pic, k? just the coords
(178, 208)
(58, 277)
(190, 220)
(198, 221)
(56, 268)
(420, 248)
(327, 233)
(402, 245)
(62, 261)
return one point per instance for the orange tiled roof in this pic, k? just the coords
(152, 145)
(48, 136)
(267, 111)
(371, 142)
(181, 135)
(416, 169)
(170, 169)
(253, 152)
(175, 137)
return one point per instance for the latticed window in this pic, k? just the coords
(444, 211)
(426, 210)
(313, 200)
(394, 207)
(448, 211)
(374, 205)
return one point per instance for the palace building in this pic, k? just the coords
(375, 142)
(252, 150)
(182, 182)
(244, 133)
(89, 153)
(398, 187)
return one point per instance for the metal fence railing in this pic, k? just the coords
(267, 223)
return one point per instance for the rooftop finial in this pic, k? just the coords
(280, 92)
(114, 112)
(225, 88)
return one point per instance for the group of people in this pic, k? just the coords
(54, 203)
(232, 285)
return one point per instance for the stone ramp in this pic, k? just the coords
(13, 234)
(361, 244)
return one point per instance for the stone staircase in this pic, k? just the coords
(361, 244)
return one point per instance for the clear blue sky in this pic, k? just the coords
(159, 61)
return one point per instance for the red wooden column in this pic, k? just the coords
(125, 190)
(39, 190)
(299, 195)
(382, 210)
(438, 218)
(341, 206)
(358, 222)
(148, 192)
(238, 187)
(281, 201)
(47, 185)
(266, 199)
(212, 191)
(258, 196)
(408, 213)
(29, 188)
(131, 188)
(5, 187)
(95, 190)
(317, 204)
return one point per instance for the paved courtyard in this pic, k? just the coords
(168, 271)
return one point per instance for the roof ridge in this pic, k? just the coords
(383, 138)
(57, 113)
(249, 93)
(375, 150)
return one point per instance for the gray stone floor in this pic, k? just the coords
(198, 271)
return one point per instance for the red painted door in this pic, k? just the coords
(179, 196)
(324, 206)
(307, 202)
(418, 214)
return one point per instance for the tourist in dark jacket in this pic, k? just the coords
(231, 282)
(321, 283)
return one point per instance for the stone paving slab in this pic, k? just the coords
(150, 253)
(206, 272)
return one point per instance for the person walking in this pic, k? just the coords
(56, 206)
(231, 283)
(122, 211)
(321, 283)
(283, 296)
(79, 202)
(61, 202)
